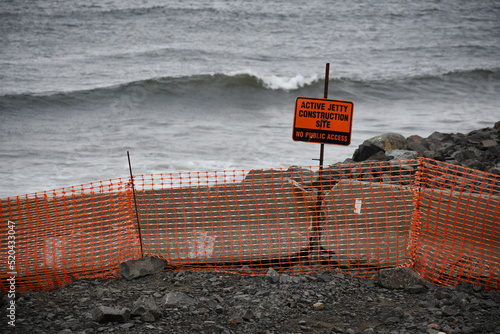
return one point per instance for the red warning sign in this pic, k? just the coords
(323, 121)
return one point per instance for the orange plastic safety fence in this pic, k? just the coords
(351, 217)
(52, 238)
(457, 238)
(355, 218)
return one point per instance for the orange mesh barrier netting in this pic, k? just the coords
(457, 236)
(225, 218)
(356, 218)
(67, 234)
(351, 217)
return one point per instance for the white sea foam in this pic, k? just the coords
(287, 83)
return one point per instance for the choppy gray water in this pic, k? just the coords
(211, 85)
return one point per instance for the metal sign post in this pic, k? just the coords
(325, 95)
(322, 121)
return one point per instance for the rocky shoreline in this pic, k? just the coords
(280, 300)
(479, 149)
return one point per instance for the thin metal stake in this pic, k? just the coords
(315, 246)
(322, 147)
(325, 95)
(135, 202)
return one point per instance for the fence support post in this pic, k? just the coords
(135, 202)
(417, 198)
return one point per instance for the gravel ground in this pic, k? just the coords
(208, 302)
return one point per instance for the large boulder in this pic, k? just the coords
(383, 143)
(367, 223)
(144, 266)
(417, 144)
(246, 221)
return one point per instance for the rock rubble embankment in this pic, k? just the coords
(479, 149)
(278, 302)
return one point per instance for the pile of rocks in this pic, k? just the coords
(479, 149)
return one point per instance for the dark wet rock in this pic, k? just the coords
(366, 151)
(416, 288)
(443, 293)
(272, 275)
(177, 298)
(146, 308)
(104, 314)
(287, 279)
(479, 149)
(383, 143)
(147, 265)
(399, 278)
(417, 144)
(248, 315)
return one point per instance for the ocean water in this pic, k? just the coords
(211, 85)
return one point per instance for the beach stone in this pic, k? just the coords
(146, 308)
(416, 288)
(318, 306)
(369, 331)
(144, 266)
(450, 310)
(272, 275)
(103, 314)
(442, 293)
(399, 278)
(478, 136)
(286, 279)
(248, 315)
(177, 298)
